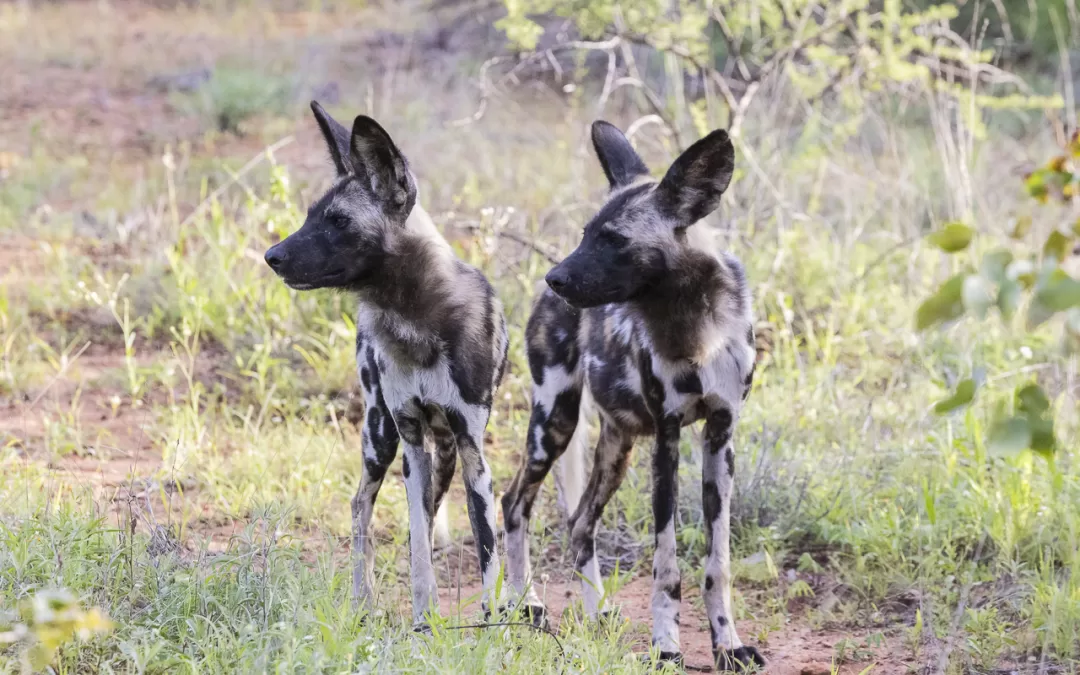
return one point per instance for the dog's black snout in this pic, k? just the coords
(275, 258)
(557, 279)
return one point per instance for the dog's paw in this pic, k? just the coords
(422, 628)
(536, 615)
(664, 658)
(738, 660)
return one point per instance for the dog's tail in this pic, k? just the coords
(572, 469)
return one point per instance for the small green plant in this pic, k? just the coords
(800, 589)
(109, 297)
(849, 650)
(234, 95)
(987, 636)
(915, 635)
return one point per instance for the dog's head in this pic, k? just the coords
(348, 231)
(628, 245)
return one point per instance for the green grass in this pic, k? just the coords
(222, 549)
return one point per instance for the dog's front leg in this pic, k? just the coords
(416, 469)
(667, 579)
(718, 474)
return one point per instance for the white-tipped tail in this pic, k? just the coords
(572, 469)
(442, 525)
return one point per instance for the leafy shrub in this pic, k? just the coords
(1006, 279)
(839, 52)
(233, 96)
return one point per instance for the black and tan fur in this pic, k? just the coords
(654, 325)
(430, 346)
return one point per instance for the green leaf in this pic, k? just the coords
(1056, 245)
(952, 238)
(1043, 440)
(1032, 400)
(1009, 297)
(1020, 227)
(1072, 331)
(1009, 435)
(808, 564)
(994, 265)
(1060, 293)
(977, 295)
(1036, 185)
(964, 394)
(1034, 404)
(1038, 314)
(945, 305)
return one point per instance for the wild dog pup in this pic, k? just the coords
(653, 325)
(430, 345)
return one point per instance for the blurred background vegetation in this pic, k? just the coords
(176, 440)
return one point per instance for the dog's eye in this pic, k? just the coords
(338, 221)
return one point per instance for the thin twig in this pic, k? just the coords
(501, 624)
(883, 256)
(63, 369)
(520, 239)
(642, 122)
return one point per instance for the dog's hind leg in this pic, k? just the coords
(445, 462)
(609, 469)
(555, 416)
(468, 427)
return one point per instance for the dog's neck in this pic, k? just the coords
(685, 311)
(409, 302)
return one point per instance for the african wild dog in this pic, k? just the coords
(653, 324)
(430, 345)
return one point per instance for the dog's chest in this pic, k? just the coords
(634, 387)
(403, 342)
(690, 391)
(407, 382)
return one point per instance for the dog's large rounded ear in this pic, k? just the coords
(696, 181)
(378, 161)
(337, 138)
(620, 161)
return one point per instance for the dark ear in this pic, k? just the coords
(621, 164)
(337, 138)
(693, 185)
(377, 160)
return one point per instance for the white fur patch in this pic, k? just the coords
(571, 471)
